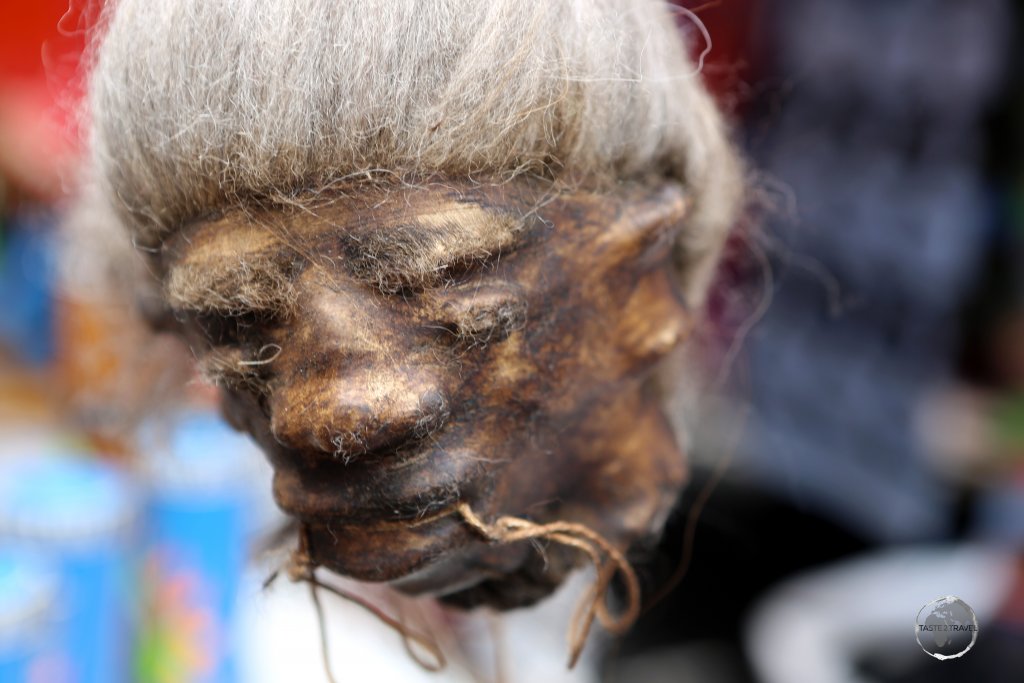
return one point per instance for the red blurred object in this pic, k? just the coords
(728, 22)
(26, 27)
(41, 44)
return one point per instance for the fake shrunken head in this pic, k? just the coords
(433, 253)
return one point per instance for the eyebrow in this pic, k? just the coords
(424, 249)
(234, 287)
(226, 267)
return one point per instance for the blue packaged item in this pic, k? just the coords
(198, 518)
(28, 601)
(78, 514)
(27, 279)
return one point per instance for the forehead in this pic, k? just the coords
(436, 220)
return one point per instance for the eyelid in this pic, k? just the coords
(428, 249)
(229, 330)
(488, 311)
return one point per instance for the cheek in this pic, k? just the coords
(247, 413)
(596, 339)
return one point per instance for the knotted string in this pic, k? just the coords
(608, 561)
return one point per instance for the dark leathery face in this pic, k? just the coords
(397, 350)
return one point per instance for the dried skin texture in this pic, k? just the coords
(509, 368)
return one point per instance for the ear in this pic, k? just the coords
(646, 224)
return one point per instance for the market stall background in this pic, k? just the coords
(861, 423)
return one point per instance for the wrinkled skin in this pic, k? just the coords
(518, 378)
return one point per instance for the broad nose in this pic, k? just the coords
(371, 410)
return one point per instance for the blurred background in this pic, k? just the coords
(857, 453)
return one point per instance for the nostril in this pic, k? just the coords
(389, 431)
(433, 413)
(347, 445)
(297, 424)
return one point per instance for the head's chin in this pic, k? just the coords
(440, 556)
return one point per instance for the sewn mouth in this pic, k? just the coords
(390, 550)
(374, 493)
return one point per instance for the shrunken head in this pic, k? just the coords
(432, 252)
(399, 350)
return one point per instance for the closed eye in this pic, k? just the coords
(428, 249)
(225, 330)
(480, 313)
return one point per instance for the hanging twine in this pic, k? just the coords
(608, 561)
(301, 568)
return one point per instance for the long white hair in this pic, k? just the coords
(198, 105)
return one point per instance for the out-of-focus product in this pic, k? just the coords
(881, 141)
(26, 286)
(79, 515)
(199, 518)
(28, 601)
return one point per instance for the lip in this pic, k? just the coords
(389, 492)
(387, 551)
(458, 571)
